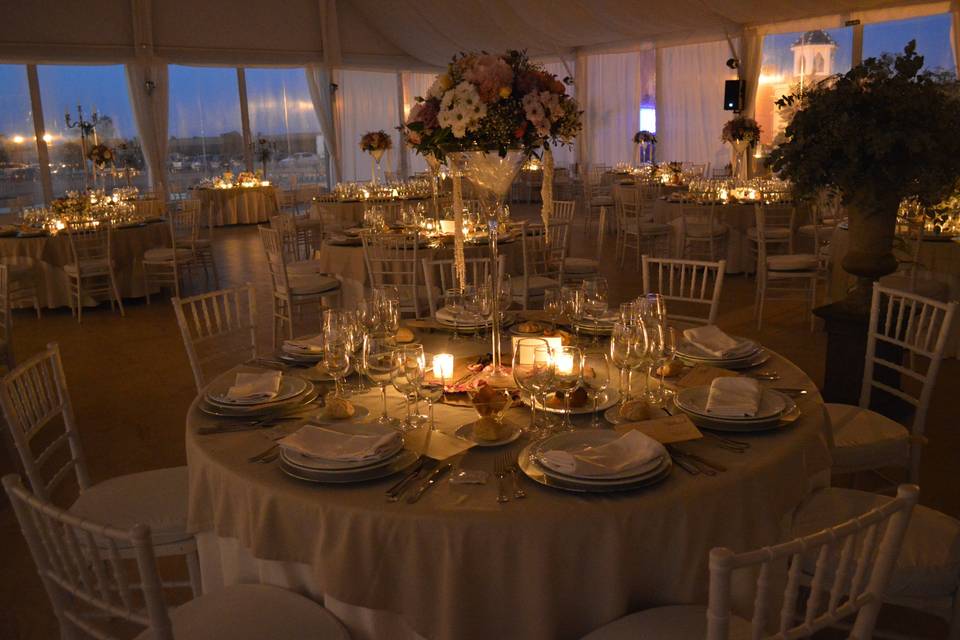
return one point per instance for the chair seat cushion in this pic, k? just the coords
(703, 230)
(825, 232)
(684, 622)
(792, 262)
(253, 612)
(165, 254)
(89, 267)
(865, 439)
(923, 286)
(156, 498)
(303, 267)
(305, 285)
(535, 287)
(580, 265)
(654, 228)
(929, 562)
(776, 233)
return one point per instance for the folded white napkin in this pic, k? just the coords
(255, 386)
(444, 314)
(310, 345)
(319, 442)
(715, 342)
(632, 449)
(734, 397)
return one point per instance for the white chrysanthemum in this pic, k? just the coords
(461, 109)
(440, 85)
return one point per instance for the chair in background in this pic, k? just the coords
(910, 267)
(638, 234)
(202, 243)
(790, 277)
(293, 293)
(580, 268)
(440, 277)
(598, 191)
(689, 283)
(700, 170)
(845, 583)
(701, 235)
(95, 574)
(6, 328)
(23, 284)
(778, 232)
(90, 270)
(165, 266)
(389, 207)
(218, 328)
(393, 260)
(39, 414)
(825, 213)
(289, 201)
(564, 211)
(300, 242)
(918, 327)
(544, 254)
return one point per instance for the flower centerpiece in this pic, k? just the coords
(485, 114)
(263, 151)
(643, 144)
(741, 133)
(100, 155)
(882, 132)
(376, 143)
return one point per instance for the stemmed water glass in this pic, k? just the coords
(596, 379)
(432, 392)
(368, 314)
(380, 360)
(668, 353)
(552, 302)
(622, 340)
(531, 359)
(407, 378)
(594, 302)
(569, 365)
(336, 358)
(453, 303)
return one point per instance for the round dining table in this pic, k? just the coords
(458, 564)
(239, 205)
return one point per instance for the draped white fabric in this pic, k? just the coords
(150, 110)
(366, 101)
(751, 60)
(690, 113)
(318, 81)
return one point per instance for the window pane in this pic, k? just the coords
(793, 60)
(932, 34)
(19, 173)
(97, 89)
(281, 111)
(206, 137)
(367, 101)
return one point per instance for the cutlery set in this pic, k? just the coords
(427, 471)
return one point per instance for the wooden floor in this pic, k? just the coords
(131, 386)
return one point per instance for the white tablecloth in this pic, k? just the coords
(739, 217)
(458, 564)
(248, 205)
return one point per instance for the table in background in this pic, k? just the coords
(738, 217)
(240, 205)
(457, 564)
(344, 214)
(49, 254)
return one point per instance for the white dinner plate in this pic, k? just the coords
(298, 459)
(579, 439)
(399, 463)
(610, 397)
(694, 401)
(533, 471)
(466, 432)
(290, 387)
(294, 404)
(689, 351)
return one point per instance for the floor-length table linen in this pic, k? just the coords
(738, 217)
(459, 565)
(240, 205)
(48, 255)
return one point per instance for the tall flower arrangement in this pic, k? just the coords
(375, 141)
(741, 133)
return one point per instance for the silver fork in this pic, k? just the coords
(500, 470)
(514, 472)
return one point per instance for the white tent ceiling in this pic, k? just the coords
(377, 33)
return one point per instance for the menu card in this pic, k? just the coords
(666, 430)
(702, 375)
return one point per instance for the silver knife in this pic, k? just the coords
(429, 482)
(397, 490)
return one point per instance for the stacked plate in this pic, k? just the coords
(600, 327)
(304, 350)
(464, 321)
(773, 406)
(294, 392)
(532, 463)
(607, 399)
(748, 354)
(389, 459)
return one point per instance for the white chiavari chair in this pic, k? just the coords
(563, 211)
(6, 327)
(778, 232)
(90, 271)
(598, 191)
(392, 259)
(389, 207)
(702, 235)
(825, 212)
(96, 575)
(864, 439)
(786, 277)
(440, 276)
(544, 254)
(165, 266)
(697, 169)
(289, 201)
(293, 293)
(301, 239)
(687, 285)
(636, 233)
(22, 279)
(39, 414)
(202, 243)
(580, 268)
(852, 565)
(219, 330)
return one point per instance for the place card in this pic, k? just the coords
(702, 375)
(666, 430)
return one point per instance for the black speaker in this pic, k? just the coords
(734, 93)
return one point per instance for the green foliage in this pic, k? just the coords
(880, 133)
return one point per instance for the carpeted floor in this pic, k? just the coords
(131, 385)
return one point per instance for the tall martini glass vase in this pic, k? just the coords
(376, 155)
(433, 163)
(491, 175)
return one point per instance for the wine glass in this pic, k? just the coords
(505, 292)
(453, 303)
(552, 302)
(390, 316)
(530, 358)
(653, 331)
(380, 360)
(368, 313)
(333, 325)
(596, 379)
(629, 312)
(569, 365)
(621, 345)
(473, 307)
(594, 302)
(432, 392)
(407, 378)
(669, 352)
(336, 358)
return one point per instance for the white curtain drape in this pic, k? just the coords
(690, 114)
(751, 60)
(149, 88)
(617, 85)
(366, 101)
(318, 81)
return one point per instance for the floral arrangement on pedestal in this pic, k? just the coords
(263, 151)
(643, 143)
(101, 155)
(741, 133)
(376, 143)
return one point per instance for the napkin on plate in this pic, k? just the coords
(255, 386)
(715, 342)
(632, 449)
(310, 345)
(445, 315)
(315, 441)
(734, 397)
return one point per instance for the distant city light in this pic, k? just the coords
(18, 139)
(47, 138)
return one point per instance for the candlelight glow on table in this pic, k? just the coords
(89, 208)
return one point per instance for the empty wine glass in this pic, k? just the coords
(432, 392)
(654, 331)
(669, 352)
(336, 358)
(552, 303)
(621, 345)
(505, 292)
(596, 379)
(368, 313)
(407, 378)
(380, 360)
(453, 304)
(594, 302)
(569, 365)
(531, 358)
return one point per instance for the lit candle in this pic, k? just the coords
(443, 366)
(564, 362)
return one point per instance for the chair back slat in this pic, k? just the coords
(694, 284)
(183, 228)
(439, 276)
(36, 404)
(392, 260)
(88, 243)
(876, 552)
(563, 210)
(218, 329)
(84, 572)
